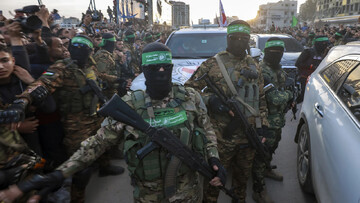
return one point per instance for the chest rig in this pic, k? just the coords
(244, 78)
(70, 98)
(179, 117)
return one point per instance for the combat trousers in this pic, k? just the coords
(77, 131)
(259, 167)
(238, 158)
(189, 190)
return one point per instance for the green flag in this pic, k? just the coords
(294, 21)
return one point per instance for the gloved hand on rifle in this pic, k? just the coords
(43, 183)
(217, 106)
(13, 114)
(39, 95)
(123, 86)
(263, 132)
(220, 172)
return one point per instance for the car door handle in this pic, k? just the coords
(318, 109)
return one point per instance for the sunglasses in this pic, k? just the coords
(156, 67)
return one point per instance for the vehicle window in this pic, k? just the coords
(335, 74)
(291, 45)
(349, 92)
(197, 45)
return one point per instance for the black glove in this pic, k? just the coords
(14, 113)
(221, 172)
(44, 183)
(217, 106)
(263, 131)
(39, 94)
(10, 176)
(122, 86)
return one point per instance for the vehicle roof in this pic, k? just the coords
(341, 51)
(273, 35)
(200, 30)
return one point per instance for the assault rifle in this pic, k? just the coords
(160, 137)
(295, 88)
(234, 105)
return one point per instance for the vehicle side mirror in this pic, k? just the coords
(255, 52)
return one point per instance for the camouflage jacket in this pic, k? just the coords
(277, 98)
(211, 67)
(64, 80)
(111, 130)
(105, 62)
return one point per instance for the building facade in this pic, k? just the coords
(180, 14)
(280, 14)
(337, 11)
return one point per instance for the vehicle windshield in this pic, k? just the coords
(197, 45)
(291, 45)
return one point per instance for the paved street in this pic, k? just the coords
(118, 189)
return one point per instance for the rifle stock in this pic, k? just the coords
(160, 137)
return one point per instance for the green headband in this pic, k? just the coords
(338, 34)
(275, 43)
(321, 39)
(238, 28)
(82, 40)
(127, 37)
(113, 39)
(156, 57)
(148, 37)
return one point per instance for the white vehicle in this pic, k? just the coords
(328, 133)
(189, 48)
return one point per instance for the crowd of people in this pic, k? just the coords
(53, 80)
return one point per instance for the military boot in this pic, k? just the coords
(262, 197)
(273, 175)
(110, 170)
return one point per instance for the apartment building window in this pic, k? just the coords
(285, 21)
(285, 12)
(356, 6)
(292, 13)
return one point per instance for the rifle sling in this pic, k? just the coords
(232, 87)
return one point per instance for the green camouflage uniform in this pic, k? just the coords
(193, 128)
(235, 152)
(78, 111)
(277, 101)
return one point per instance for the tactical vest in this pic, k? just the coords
(179, 117)
(69, 97)
(247, 88)
(277, 78)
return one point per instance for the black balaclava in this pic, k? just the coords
(158, 83)
(129, 37)
(274, 51)
(238, 35)
(321, 43)
(80, 49)
(108, 42)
